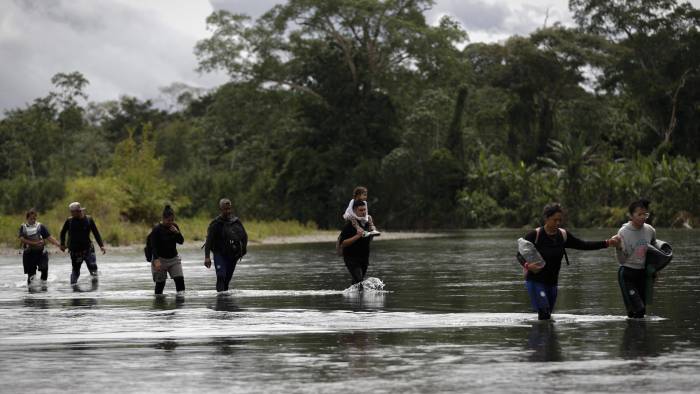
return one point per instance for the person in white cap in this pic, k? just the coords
(78, 227)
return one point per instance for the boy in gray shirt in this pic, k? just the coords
(635, 238)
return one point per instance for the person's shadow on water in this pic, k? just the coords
(543, 342)
(639, 340)
(225, 303)
(38, 303)
(164, 302)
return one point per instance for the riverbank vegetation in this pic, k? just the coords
(328, 95)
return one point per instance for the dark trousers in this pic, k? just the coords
(357, 268)
(224, 266)
(34, 260)
(633, 286)
(77, 258)
(543, 297)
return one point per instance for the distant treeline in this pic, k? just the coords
(325, 96)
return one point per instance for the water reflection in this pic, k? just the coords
(360, 346)
(365, 300)
(168, 345)
(38, 303)
(83, 302)
(639, 340)
(225, 302)
(544, 343)
(163, 302)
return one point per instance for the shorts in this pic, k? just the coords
(172, 266)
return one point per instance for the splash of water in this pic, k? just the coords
(369, 284)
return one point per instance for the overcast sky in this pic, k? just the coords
(135, 47)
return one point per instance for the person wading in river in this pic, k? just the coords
(551, 242)
(227, 238)
(33, 236)
(635, 238)
(354, 245)
(163, 241)
(78, 227)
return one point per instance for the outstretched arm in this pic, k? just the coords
(575, 243)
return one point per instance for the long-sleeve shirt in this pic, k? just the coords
(632, 252)
(551, 249)
(78, 230)
(164, 241)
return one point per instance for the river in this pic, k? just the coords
(453, 317)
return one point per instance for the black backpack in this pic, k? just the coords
(232, 237)
(148, 249)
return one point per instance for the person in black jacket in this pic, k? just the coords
(551, 242)
(355, 246)
(165, 260)
(227, 238)
(78, 227)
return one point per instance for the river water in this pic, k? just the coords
(453, 317)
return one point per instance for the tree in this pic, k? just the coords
(654, 63)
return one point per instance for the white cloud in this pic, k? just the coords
(122, 47)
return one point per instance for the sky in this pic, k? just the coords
(137, 47)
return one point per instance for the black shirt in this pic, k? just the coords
(78, 231)
(163, 241)
(551, 249)
(359, 250)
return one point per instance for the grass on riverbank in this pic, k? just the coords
(119, 233)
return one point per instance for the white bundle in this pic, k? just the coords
(528, 250)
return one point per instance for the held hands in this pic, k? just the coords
(614, 241)
(207, 262)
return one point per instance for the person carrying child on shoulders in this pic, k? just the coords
(360, 194)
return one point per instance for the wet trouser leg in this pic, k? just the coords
(179, 283)
(159, 287)
(633, 287)
(543, 297)
(357, 268)
(77, 258)
(225, 266)
(34, 260)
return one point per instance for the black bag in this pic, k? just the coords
(148, 249)
(232, 236)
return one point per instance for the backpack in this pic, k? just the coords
(232, 239)
(148, 249)
(538, 230)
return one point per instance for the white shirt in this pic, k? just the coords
(632, 252)
(350, 214)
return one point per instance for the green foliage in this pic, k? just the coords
(138, 175)
(328, 95)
